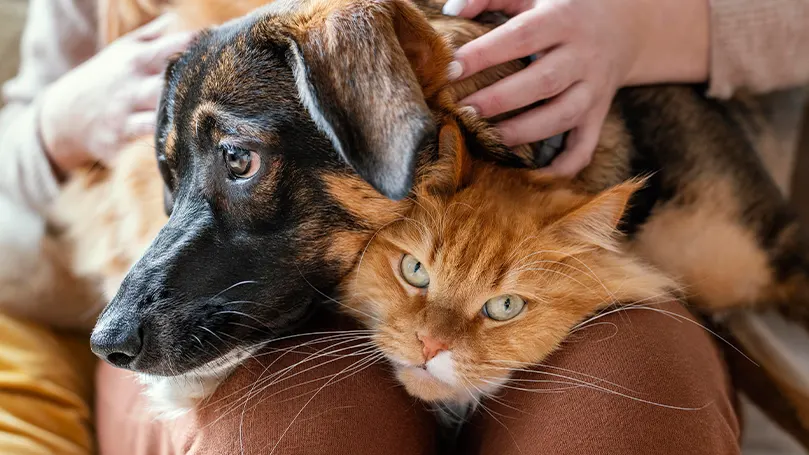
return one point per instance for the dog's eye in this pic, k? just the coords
(242, 163)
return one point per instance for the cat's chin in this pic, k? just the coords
(423, 385)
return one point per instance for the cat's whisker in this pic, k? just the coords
(281, 374)
(566, 370)
(371, 357)
(257, 388)
(602, 389)
(332, 299)
(570, 378)
(280, 438)
(573, 257)
(493, 397)
(367, 349)
(691, 321)
(232, 407)
(491, 413)
(509, 385)
(424, 209)
(622, 395)
(368, 244)
(519, 245)
(589, 272)
(541, 269)
(351, 335)
(593, 325)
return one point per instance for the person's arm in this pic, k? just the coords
(758, 45)
(58, 36)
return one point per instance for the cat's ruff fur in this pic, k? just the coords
(669, 128)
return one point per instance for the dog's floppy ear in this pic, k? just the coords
(364, 71)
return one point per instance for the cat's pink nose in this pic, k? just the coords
(432, 346)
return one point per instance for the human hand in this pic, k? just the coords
(92, 111)
(587, 50)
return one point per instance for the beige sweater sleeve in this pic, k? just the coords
(58, 36)
(759, 45)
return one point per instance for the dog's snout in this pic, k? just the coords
(118, 345)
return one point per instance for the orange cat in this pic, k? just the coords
(489, 272)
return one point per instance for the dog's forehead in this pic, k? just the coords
(228, 73)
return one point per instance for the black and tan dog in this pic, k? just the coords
(286, 138)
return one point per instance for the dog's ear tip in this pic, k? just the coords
(393, 179)
(391, 171)
(395, 189)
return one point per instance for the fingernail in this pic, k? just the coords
(453, 7)
(454, 70)
(472, 110)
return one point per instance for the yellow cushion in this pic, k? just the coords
(46, 383)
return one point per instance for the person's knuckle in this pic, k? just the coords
(549, 81)
(583, 158)
(495, 104)
(478, 59)
(564, 18)
(522, 31)
(569, 114)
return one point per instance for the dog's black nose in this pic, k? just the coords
(119, 345)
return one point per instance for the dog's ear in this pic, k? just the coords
(364, 72)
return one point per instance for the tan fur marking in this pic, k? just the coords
(704, 244)
(361, 200)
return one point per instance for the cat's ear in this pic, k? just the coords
(364, 69)
(595, 223)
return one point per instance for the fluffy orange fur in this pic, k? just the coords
(493, 232)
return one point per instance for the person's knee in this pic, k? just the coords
(327, 406)
(647, 380)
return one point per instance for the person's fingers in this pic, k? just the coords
(525, 34)
(140, 124)
(471, 8)
(147, 93)
(154, 29)
(156, 54)
(544, 78)
(561, 114)
(581, 144)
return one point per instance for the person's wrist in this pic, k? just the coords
(675, 43)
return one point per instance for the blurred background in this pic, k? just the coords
(12, 19)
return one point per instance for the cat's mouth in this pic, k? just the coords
(435, 380)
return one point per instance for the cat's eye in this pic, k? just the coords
(241, 163)
(504, 307)
(414, 272)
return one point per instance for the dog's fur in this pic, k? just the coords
(325, 90)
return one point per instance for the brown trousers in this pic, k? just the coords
(641, 382)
